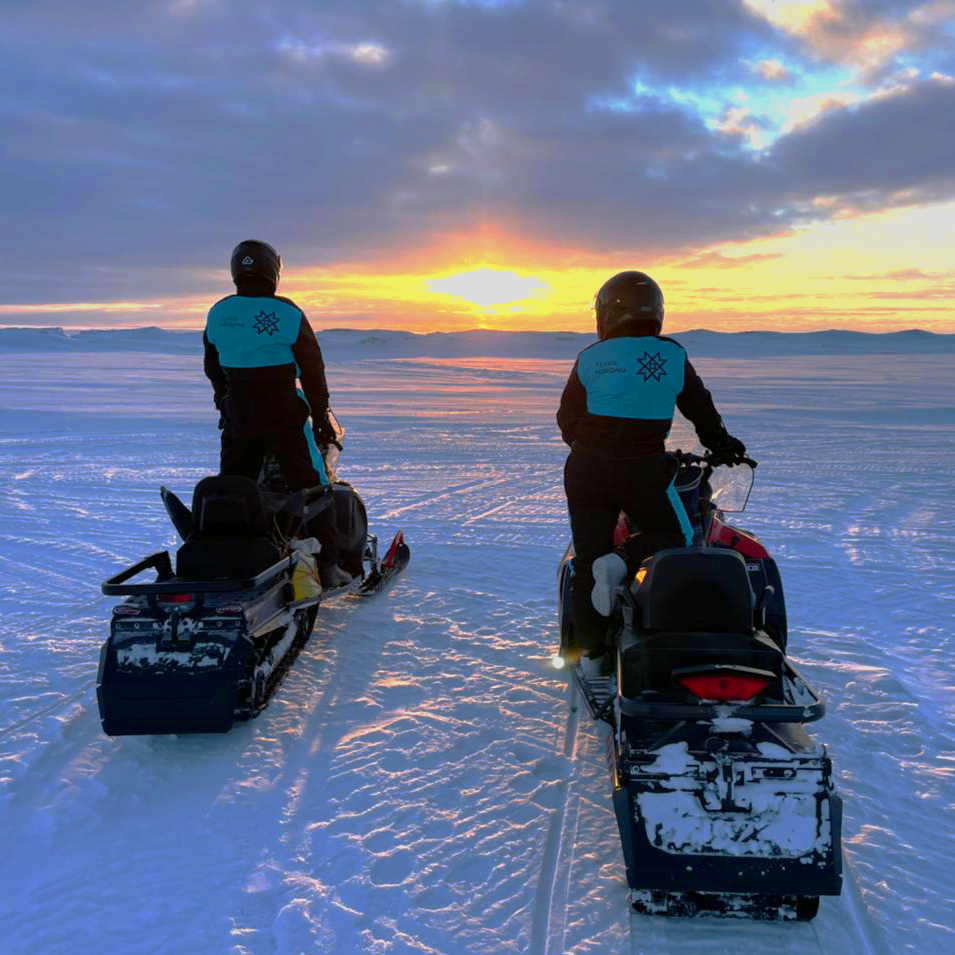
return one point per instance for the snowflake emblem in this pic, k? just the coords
(266, 322)
(652, 366)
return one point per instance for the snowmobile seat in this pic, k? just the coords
(232, 534)
(696, 589)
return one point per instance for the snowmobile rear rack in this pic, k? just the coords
(809, 711)
(167, 583)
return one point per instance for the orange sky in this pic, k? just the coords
(881, 272)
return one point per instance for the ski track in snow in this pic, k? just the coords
(418, 784)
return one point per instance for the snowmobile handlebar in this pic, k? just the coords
(710, 459)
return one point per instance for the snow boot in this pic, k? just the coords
(610, 571)
(333, 576)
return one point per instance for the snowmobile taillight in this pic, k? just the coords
(723, 686)
(177, 598)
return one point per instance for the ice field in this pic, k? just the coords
(417, 785)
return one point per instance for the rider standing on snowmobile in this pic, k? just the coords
(615, 413)
(256, 344)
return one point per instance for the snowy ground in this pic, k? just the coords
(416, 785)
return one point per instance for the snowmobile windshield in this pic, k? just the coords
(731, 487)
(336, 425)
(332, 452)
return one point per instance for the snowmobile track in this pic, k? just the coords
(550, 903)
(867, 935)
(468, 488)
(38, 714)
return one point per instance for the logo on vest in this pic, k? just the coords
(266, 322)
(652, 366)
(608, 368)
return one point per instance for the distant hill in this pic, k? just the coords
(343, 344)
(151, 339)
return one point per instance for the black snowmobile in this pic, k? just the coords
(206, 643)
(723, 802)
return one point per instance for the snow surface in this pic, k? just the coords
(418, 784)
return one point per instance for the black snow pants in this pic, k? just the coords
(248, 437)
(598, 488)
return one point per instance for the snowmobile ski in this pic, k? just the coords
(394, 562)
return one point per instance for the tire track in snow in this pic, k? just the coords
(559, 849)
(469, 488)
(531, 493)
(867, 935)
(6, 731)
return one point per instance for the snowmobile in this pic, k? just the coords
(206, 643)
(724, 804)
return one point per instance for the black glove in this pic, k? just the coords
(729, 450)
(218, 399)
(324, 432)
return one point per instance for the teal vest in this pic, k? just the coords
(632, 377)
(253, 332)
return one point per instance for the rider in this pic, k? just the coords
(256, 344)
(615, 413)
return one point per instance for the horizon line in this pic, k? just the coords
(67, 330)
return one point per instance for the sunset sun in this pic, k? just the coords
(488, 287)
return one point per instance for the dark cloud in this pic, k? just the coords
(891, 150)
(143, 140)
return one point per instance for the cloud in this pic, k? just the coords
(312, 54)
(891, 150)
(142, 143)
(772, 70)
(942, 292)
(897, 275)
(803, 111)
(865, 34)
(717, 260)
(739, 121)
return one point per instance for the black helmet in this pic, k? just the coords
(258, 259)
(629, 297)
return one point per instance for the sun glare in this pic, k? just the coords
(489, 287)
